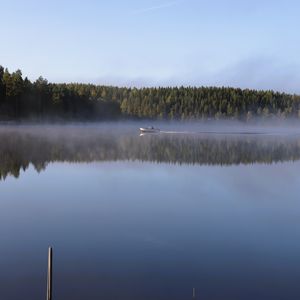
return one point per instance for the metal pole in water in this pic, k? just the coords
(49, 275)
(194, 293)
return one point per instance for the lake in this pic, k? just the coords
(210, 207)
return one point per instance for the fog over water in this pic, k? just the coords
(222, 143)
(211, 206)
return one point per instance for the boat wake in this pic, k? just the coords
(227, 133)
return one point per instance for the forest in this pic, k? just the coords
(21, 99)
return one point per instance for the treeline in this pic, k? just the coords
(22, 99)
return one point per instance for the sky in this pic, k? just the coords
(247, 44)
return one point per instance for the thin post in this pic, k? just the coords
(49, 275)
(194, 293)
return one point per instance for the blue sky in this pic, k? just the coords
(249, 44)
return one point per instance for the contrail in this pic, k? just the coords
(157, 7)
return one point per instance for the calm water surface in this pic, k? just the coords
(149, 217)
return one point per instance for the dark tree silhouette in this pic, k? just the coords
(21, 99)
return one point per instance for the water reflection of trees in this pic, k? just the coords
(20, 148)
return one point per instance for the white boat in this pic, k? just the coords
(149, 130)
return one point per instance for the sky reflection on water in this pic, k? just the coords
(132, 229)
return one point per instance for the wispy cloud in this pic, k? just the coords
(156, 7)
(262, 73)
